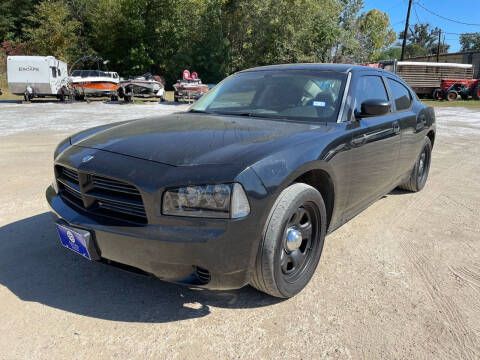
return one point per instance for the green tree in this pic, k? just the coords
(14, 17)
(391, 53)
(348, 47)
(52, 32)
(470, 41)
(281, 31)
(375, 34)
(423, 40)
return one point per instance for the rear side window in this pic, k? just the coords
(400, 95)
(54, 71)
(368, 88)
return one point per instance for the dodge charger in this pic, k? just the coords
(243, 187)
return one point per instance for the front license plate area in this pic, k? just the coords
(75, 239)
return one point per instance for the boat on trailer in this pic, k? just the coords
(94, 83)
(189, 88)
(147, 85)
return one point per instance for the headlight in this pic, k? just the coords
(212, 201)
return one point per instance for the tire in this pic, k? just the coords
(452, 95)
(438, 94)
(476, 92)
(419, 174)
(464, 96)
(275, 271)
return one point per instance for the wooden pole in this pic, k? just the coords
(438, 46)
(404, 44)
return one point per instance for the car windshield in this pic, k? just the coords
(300, 95)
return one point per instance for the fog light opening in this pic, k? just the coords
(202, 274)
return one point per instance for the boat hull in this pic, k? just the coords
(92, 87)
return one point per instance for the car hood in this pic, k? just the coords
(196, 139)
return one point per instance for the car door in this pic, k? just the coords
(375, 144)
(412, 126)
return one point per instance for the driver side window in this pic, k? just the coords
(370, 87)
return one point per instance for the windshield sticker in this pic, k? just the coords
(320, 103)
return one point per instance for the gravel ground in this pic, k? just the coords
(401, 280)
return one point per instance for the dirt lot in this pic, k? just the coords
(401, 280)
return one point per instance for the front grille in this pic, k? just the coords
(99, 195)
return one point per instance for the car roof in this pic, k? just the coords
(344, 68)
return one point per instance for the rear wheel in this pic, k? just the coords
(419, 174)
(437, 94)
(452, 95)
(476, 92)
(292, 242)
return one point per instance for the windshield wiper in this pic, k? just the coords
(248, 114)
(199, 111)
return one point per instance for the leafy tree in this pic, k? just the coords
(375, 33)
(13, 18)
(470, 41)
(347, 46)
(280, 31)
(423, 40)
(52, 31)
(390, 54)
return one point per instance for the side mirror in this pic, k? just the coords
(374, 107)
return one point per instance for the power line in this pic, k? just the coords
(469, 33)
(416, 14)
(445, 18)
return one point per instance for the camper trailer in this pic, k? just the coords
(37, 76)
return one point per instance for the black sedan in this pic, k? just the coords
(243, 187)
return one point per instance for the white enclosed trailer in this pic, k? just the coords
(37, 76)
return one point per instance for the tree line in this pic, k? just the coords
(213, 37)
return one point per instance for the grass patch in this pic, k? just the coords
(473, 104)
(6, 94)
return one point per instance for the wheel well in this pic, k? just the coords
(431, 136)
(320, 180)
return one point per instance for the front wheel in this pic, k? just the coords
(452, 95)
(419, 174)
(292, 242)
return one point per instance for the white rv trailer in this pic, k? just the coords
(37, 76)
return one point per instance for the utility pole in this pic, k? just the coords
(438, 46)
(404, 44)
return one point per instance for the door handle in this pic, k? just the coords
(396, 127)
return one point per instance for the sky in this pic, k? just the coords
(467, 11)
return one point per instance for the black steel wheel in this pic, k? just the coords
(299, 240)
(419, 174)
(292, 243)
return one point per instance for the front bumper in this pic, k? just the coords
(173, 252)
